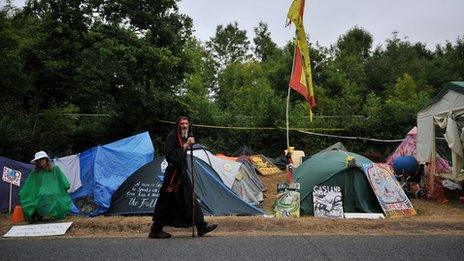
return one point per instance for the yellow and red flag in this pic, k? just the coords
(301, 78)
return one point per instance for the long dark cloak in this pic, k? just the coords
(174, 205)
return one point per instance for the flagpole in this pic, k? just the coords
(286, 115)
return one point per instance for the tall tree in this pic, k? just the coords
(264, 47)
(356, 41)
(229, 44)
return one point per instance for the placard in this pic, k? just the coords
(388, 191)
(40, 230)
(264, 166)
(288, 200)
(328, 201)
(11, 176)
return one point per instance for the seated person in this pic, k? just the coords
(44, 194)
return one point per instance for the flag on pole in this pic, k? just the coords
(301, 78)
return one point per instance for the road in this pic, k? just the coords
(238, 248)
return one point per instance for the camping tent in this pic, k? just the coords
(234, 175)
(24, 168)
(408, 147)
(243, 150)
(105, 168)
(446, 111)
(138, 194)
(335, 146)
(328, 168)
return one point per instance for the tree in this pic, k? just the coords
(264, 46)
(356, 41)
(230, 44)
(121, 59)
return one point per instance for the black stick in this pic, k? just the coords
(193, 191)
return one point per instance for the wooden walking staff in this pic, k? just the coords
(193, 190)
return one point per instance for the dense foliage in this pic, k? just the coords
(77, 73)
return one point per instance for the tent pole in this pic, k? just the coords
(286, 116)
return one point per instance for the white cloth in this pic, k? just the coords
(71, 167)
(454, 143)
(452, 136)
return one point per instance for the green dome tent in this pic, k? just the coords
(328, 168)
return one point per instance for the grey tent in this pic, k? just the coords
(234, 175)
(138, 194)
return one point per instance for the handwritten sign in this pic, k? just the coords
(11, 176)
(143, 195)
(51, 229)
(264, 165)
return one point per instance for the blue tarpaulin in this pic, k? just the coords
(105, 168)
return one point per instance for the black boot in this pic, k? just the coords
(161, 234)
(156, 231)
(206, 229)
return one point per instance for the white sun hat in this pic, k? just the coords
(40, 155)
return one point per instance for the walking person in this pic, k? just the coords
(175, 203)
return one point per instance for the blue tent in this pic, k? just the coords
(105, 168)
(24, 168)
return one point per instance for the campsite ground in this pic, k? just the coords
(432, 218)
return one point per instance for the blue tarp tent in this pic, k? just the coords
(24, 168)
(105, 168)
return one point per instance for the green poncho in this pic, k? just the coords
(45, 194)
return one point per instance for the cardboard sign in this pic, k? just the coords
(328, 201)
(264, 165)
(51, 229)
(11, 176)
(288, 200)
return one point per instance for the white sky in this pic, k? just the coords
(428, 21)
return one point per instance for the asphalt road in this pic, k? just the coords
(238, 248)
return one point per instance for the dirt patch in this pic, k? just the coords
(432, 218)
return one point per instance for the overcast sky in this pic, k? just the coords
(428, 21)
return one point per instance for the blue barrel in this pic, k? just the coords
(405, 165)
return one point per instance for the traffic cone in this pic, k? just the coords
(18, 215)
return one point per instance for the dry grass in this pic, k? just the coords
(432, 218)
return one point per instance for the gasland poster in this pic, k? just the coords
(288, 200)
(264, 165)
(327, 201)
(389, 192)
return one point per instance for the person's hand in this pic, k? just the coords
(190, 141)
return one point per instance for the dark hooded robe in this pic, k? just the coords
(174, 205)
